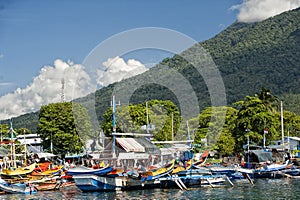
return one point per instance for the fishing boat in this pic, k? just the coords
(193, 179)
(156, 173)
(202, 160)
(52, 185)
(18, 188)
(40, 167)
(122, 181)
(47, 172)
(180, 168)
(18, 171)
(81, 170)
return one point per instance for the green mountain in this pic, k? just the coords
(249, 57)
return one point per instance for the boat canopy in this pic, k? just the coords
(149, 147)
(130, 145)
(262, 156)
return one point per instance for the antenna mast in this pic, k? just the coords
(62, 90)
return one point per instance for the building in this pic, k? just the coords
(32, 142)
(292, 144)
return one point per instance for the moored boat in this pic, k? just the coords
(19, 171)
(19, 188)
(156, 173)
(81, 170)
(46, 172)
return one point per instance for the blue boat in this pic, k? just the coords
(81, 170)
(92, 183)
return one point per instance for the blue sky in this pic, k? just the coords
(34, 33)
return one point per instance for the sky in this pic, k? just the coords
(43, 43)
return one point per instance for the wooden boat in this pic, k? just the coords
(40, 167)
(156, 173)
(53, 185)
(266, 171)
(202, 159)
(180, 168)
(47, 172)
(80, 170)
(18, 188)
(116, 172)
(19, 171)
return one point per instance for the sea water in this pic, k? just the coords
(242, 189)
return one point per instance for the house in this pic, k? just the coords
(32, 141)
(292, 144)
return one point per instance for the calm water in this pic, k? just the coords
(263, 189)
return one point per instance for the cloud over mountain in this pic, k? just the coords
(47, 88)
(65, 78)
(117, 69)
(258, 10)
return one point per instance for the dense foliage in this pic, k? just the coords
(133, 118)
(58, 123)
(251, 118)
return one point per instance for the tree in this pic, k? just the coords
(269, 101)
(255, 115)
(216, 125)
(22, 131)
(57, 123)
(131, 118)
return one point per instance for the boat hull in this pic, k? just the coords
(88, 171)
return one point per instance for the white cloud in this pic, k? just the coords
(117, 69)
(258, 10)
(3, 84)
(47, 88)
(1, 55)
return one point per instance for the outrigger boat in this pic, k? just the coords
(156, 173)
(126, 181)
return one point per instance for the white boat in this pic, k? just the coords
(19, 188)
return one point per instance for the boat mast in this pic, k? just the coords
(25, 148)
(281, 117)
(189, 135)
(147, 121)
(172, 127)
(12, 146)
(114, 125)
(51, 144)
(1, 131)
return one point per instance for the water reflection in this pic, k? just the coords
(263, 189)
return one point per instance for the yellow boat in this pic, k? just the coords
(188, 165)
(19, 171)
(156, 173)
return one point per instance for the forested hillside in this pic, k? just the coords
(249, 57)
